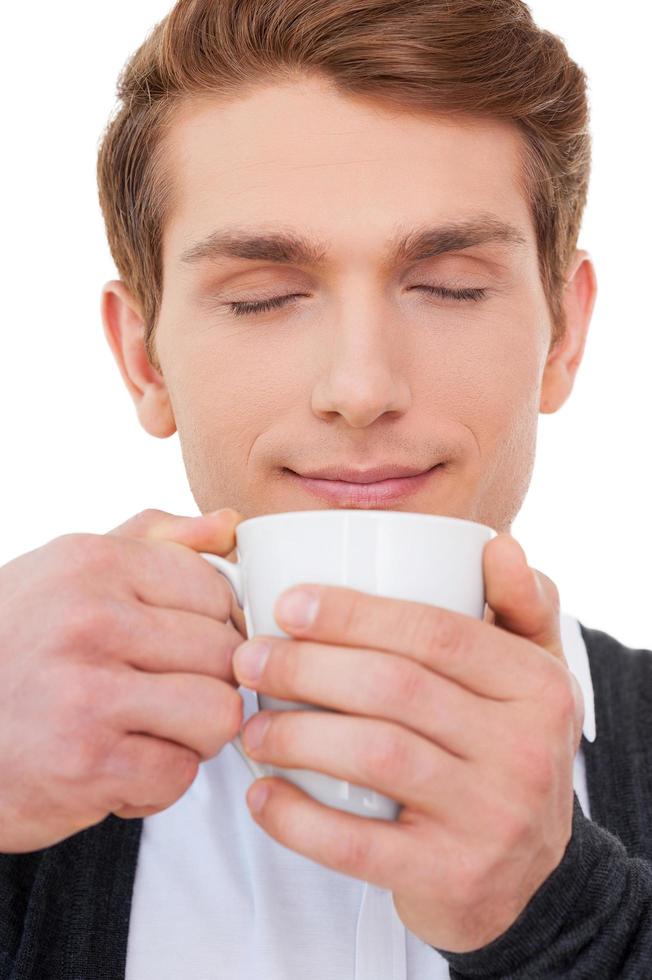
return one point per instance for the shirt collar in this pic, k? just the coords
(577, 658)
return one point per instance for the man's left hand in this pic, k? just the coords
(471, 725)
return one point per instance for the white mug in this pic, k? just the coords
(419, 557)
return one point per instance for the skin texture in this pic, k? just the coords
(472, 728)
(367, 369)
(363, 369)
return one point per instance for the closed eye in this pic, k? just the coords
(246, 307)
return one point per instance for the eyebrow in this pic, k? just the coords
(290, 247)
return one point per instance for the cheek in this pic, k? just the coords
(506, 430)
(226, 399)
(491, 384)
(511, 408)
(490, 377)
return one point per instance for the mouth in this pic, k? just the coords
(371, 494)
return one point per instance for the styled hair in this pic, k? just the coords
(482, 58)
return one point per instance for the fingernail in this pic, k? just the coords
(297, 608)
(254, 731)
(250, 658)
(257, 796)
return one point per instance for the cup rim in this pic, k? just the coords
(332, 514)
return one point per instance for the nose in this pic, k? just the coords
(362, 378)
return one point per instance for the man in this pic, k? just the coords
(346, 235)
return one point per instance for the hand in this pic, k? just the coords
(471, 725)
(115, 673)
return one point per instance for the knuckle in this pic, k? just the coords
(279, 738)
(89, 693)
(398, 684)
(565, 702)
(182, 772)
(141, 522)
(352, 853)
(75, 540)
(386, 754)
(284, 667)
(149, 514)
(163, 774)
(559, 696)
(83, 741)
(435, 629)
(550, 590)
(351, 614)
(219, 719)
(72, 759)
(80, 761)
(85, 624)
(86, 552)
(169, 775)
(138, 525)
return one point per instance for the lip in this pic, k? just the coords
(374, 474)
(372, 493)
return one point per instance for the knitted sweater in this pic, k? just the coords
(65, 910)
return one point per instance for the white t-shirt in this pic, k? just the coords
(216, 898)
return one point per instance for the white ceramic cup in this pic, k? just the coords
(419, 557)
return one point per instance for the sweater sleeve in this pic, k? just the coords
(592, 917)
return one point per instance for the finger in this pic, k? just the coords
(144, 775)
(162, 573)
(213, 532)
(382, 852)
(379, 685)
(469, 651)
(366, 751)
(172, 640)
(525, 601)
(199, 713)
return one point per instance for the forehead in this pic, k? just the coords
(301, 155)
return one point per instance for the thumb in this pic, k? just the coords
(524, 601)
(213, 532)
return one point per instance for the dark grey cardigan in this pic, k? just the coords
(64, 910)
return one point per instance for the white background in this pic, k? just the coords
(74, 457)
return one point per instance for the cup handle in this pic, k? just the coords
(232, 572)
(257, 769)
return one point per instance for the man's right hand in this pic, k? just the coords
(115, 673)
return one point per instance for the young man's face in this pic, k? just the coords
(365, 367)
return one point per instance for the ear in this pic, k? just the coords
(125, 331)
(566, 356)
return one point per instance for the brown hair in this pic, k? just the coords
(476, 57)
